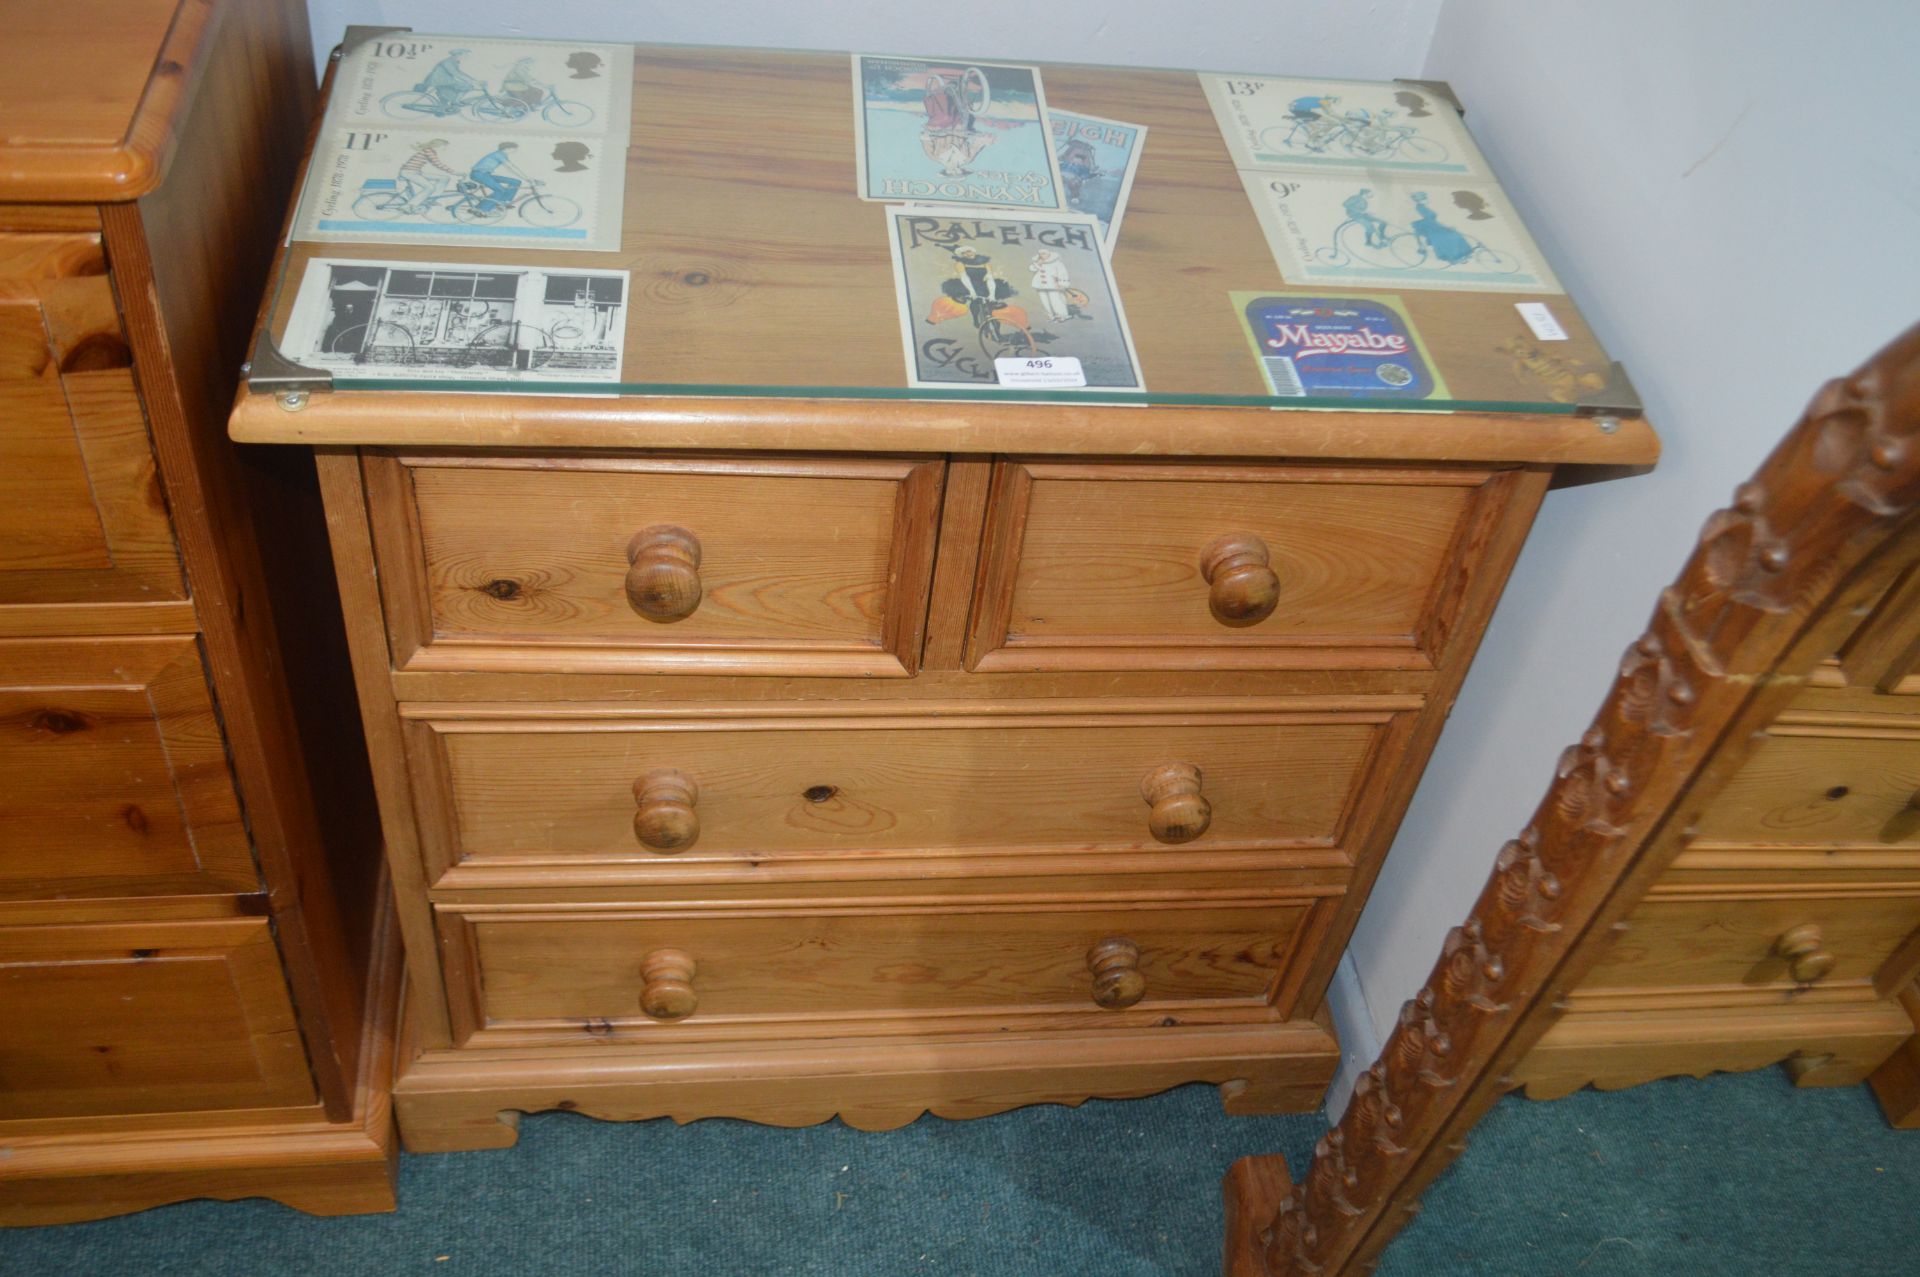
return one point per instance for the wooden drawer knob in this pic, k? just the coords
(1179, 812)
(666, 820)
(1244, 590)
(1117, 982)
(1807, 956)
(668, 994)
(663, 583)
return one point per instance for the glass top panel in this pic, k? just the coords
(753, 268)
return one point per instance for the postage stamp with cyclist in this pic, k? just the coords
(447, 81)
(1389, 127)
(458, 321)
(410, 185)
(459, 140)
(975, 288)
(1366, 229)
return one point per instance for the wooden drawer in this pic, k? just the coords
(113, 775)
(751, 785)
(794, 565)
(145, 1018)
(1125, 565)
(1743, 942)
(1824, 779)
(589, 971)
(82, 519)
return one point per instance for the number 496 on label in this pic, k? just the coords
(1040, 372)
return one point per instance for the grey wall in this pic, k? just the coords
(1731, 193)
(1378, 39)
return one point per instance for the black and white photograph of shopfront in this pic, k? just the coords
(440, 321)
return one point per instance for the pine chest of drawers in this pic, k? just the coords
(198, 975)
(751, 745)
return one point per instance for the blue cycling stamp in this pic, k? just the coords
(1351, 346)
(422, 186)
(1356, 125)
(433, 81)
(455, 140)
(1359, 230)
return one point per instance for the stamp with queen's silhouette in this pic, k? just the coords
(1366, 229)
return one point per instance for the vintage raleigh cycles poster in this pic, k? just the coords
(1098, 159)
(953, 131)
(979, 289)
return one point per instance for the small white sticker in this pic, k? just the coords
(1040, 372)
(1541, 320)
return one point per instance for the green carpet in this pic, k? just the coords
(1733, 1175)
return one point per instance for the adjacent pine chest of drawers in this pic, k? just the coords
(197, 987)
(805, 749)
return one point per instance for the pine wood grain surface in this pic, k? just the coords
(587, 966)
(92, 92)
(561, 791)
(181, 1016)
(113, 773)
(754, 264)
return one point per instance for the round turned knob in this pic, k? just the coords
(668, 994)
(663, 583)
(1117, 982)
(1807, 957)
(1244, 589)
(666, 820)
(1179, 812)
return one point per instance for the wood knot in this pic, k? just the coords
(136, 818)
(819, 793)
(1837, 793)
(687, 279)
(501, 588)
(61, 722)
(568, 1105)
(146, 953)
